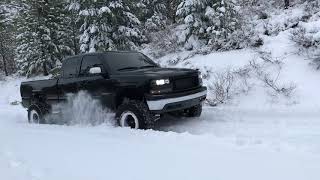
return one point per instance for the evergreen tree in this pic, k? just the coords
(107, 24)
(7, 43)
(157, 14)
(42, 41)
(212, 21)
(153, 14)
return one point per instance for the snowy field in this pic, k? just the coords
(251, 139)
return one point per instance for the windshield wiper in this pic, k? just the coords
(148, 66)
(127, 68)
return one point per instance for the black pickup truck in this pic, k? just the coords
(129, 83)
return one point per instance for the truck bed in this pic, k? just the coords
(47, 88)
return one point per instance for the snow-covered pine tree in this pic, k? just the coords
(41, 40)
(7, 43)
(210, 21)
(223, 22)
(107, 24)
(153, 13)
(73, 23)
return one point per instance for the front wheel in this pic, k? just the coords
(134, 114)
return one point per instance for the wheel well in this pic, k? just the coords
(129, 96)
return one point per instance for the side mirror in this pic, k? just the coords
(95, 70)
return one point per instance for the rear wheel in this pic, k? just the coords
(134, 114)
(36, 114)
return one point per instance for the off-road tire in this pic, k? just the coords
(194, 111)
(145, 119)
(41, 110)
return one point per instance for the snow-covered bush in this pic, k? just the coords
(221, 88)
(268, 70)
(263, 71)
(303, 38)
(307, 35)
(312, 6)
(283, 20)
(226, 84)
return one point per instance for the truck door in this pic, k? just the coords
(95, 80)
(68, 83)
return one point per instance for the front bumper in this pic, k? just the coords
(177, 102)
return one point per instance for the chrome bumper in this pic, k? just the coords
(158, 105)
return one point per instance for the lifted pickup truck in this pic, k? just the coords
(129, 83)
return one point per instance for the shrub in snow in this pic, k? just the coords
(303, 38)
(307, 35)
(268, 71)
(265, 71)
(312, 6)
(221, 88)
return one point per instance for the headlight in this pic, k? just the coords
(160, 86)
(161, 82)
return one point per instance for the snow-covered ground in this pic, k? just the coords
(252, 139)
(222, 144)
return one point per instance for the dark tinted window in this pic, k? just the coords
(127, 61)
(71, 67)
(89, 62)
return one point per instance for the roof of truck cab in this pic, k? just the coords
(99, 53)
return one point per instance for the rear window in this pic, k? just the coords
(71, 67)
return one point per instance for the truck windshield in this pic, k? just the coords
(128, 61)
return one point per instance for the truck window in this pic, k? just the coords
(118, 61)
(71, 67)
(88, 62)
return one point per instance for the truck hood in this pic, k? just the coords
(160, 72)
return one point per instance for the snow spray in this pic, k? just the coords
(82, 109)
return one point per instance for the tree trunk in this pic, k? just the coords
(45, 70)
(171, 9)
(5, 68)
(286, 4)
(5, 65)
